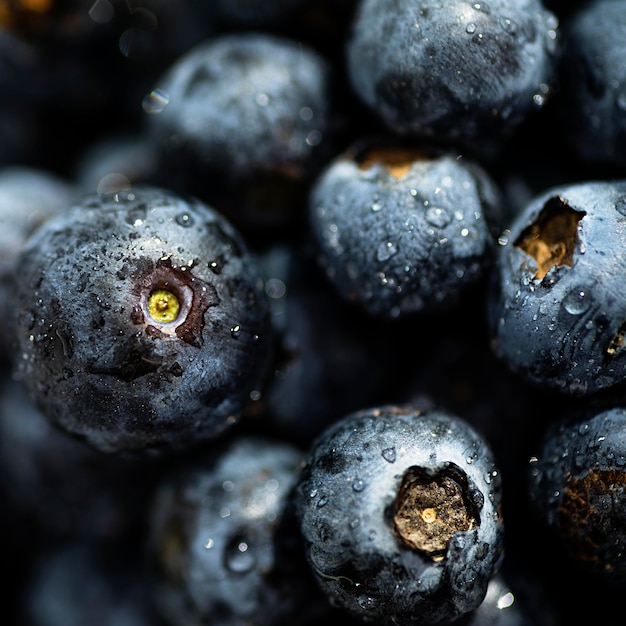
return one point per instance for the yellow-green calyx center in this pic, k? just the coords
(163, 306)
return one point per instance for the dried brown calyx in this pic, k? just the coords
(586, 522)
(551, 239)
(431, 508)
(397, 160)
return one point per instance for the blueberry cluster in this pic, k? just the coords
(313, 311)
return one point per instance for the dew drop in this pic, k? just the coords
(389, 454)
(438, 217)
(575, 302)
(239, 558)
(184, 219)
(386, 250)
(358, 485)
(377, 205)
(470, 28)
(155, 101)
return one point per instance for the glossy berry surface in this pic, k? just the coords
(557, 309)
(453, 70)
(140, 321)
(577, 484)
(401, 230)
(399, 511)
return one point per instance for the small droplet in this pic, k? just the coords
(389, 454)
(184, 219)
(575, 302)
(235, 331)
(438, 217)
(358, 485)
(386, 250)
(470, 28)
(155, 101)
(240, 558)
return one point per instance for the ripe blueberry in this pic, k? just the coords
(558, 308)
(402, 230)
(141, 322)
(400, 515)
(453, 70)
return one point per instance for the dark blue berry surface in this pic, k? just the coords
(312, 311)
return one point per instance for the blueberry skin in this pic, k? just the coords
(592, 98)
(456, 70)
(362, 483)
(403, 231)
(101, 345)
(557, 308)
(243, 121)
(577, 485)
(221, 542)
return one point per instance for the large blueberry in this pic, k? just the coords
(457, 70)
(141, 321)
(400, 513)
(558, 308)
(402, 230)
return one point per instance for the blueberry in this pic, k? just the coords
(115, 163)
(457, 70)
(557, 309)
(330, 359)
(402, 230)
(141, 321)
(243, 121)
(399, 511)
(592, 98)
(80, 582)
(222, 540)
(578, 489)
(28, 196)
(61, 485)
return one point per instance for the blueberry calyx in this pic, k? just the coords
(397, 160)
(431, 507)
(551, 239)
(582, 509)
(172, 303)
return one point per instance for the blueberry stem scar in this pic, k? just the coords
(163, 306)
(551, 238)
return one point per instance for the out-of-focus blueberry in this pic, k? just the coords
(223, 544)
(28, 197)
(592, 94)
(331, 359)
(244, 122)
(400, 513)
(557, 309)
(62, 486)
(403, 230)
(141, 323)
(74, 583)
